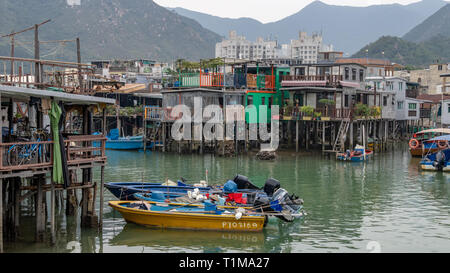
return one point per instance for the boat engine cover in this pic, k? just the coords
(271, 186)
(244, 183)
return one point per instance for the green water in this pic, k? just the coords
(383, 205)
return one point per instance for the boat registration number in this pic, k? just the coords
(239, 225)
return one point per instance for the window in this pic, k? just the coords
(400, 105)
(448, 108)
(249, 100)
(440, 67)
(263, 101)
(354, 74)
(412, 106)
(347, 73)
(346, 100)
(385, 100)
(361, 75)
(400, 86)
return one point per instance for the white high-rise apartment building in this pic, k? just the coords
(307, 47)
(238, 47)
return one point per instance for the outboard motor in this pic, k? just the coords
(271, 186)
(244, 183)
(291, 204)
(439, 163)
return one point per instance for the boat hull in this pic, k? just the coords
(126, 190)
(355, 158)
(419, 152)
(124, 144)
(428, 166)
(197, 221)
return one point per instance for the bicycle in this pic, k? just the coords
(21, 154)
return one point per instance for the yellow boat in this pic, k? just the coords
(185, 217)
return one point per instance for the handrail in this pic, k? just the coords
(43, 152)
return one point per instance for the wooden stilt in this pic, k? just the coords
(1, 215)
(52, 213)
(323, 135)
(296, 136)
(40, 219)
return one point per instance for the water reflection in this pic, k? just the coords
(387, 200)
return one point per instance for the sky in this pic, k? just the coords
(264, 11)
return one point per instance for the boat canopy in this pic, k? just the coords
(440, 138)
(438, 130)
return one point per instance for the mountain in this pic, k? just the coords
(436, 24)
(221, 25)
(107, 29)
(408, 53)
(426, 43)
(347, 28)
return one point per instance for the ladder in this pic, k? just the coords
(155, 131)
(341, 136)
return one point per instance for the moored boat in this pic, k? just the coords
(421, 142)
(208, 217)
(438, 162)
(359, 154)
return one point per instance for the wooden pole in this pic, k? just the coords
(80, 79)
(296, 136)
(52, 213)
(1, 214)
(102, 183)
(37, 68)
(12, 56)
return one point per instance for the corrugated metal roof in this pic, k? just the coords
(26, 93)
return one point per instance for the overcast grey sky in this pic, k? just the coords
(263, 10)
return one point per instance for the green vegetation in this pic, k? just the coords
(113, 29)
(307, 110)
(414, 55)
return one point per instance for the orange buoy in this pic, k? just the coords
(442, 144)
(413, 143)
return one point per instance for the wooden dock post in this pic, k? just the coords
(102, 184)
(1, 215)
(40, 213)
(351, 135)
(307, 135)
(52, 213)
(323, 135)
(296, 136)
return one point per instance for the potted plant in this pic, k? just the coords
(317, 115)
(327, 103)
(288, 109)
(375, 112)
(307, 111)
(362, 111)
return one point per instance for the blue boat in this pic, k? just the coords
(358, 155)
(126, 190)
(438, 161)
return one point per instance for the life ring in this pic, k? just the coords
(413, 143)
(442, 144)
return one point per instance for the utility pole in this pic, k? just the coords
(80, 80)
(12, 56)
(37, 68)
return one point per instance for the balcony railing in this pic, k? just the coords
(153, 113)
(304, 80)
(332, 113)
(19, 156)
(237, 80)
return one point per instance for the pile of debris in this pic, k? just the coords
(266, 154)
(229, 150)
